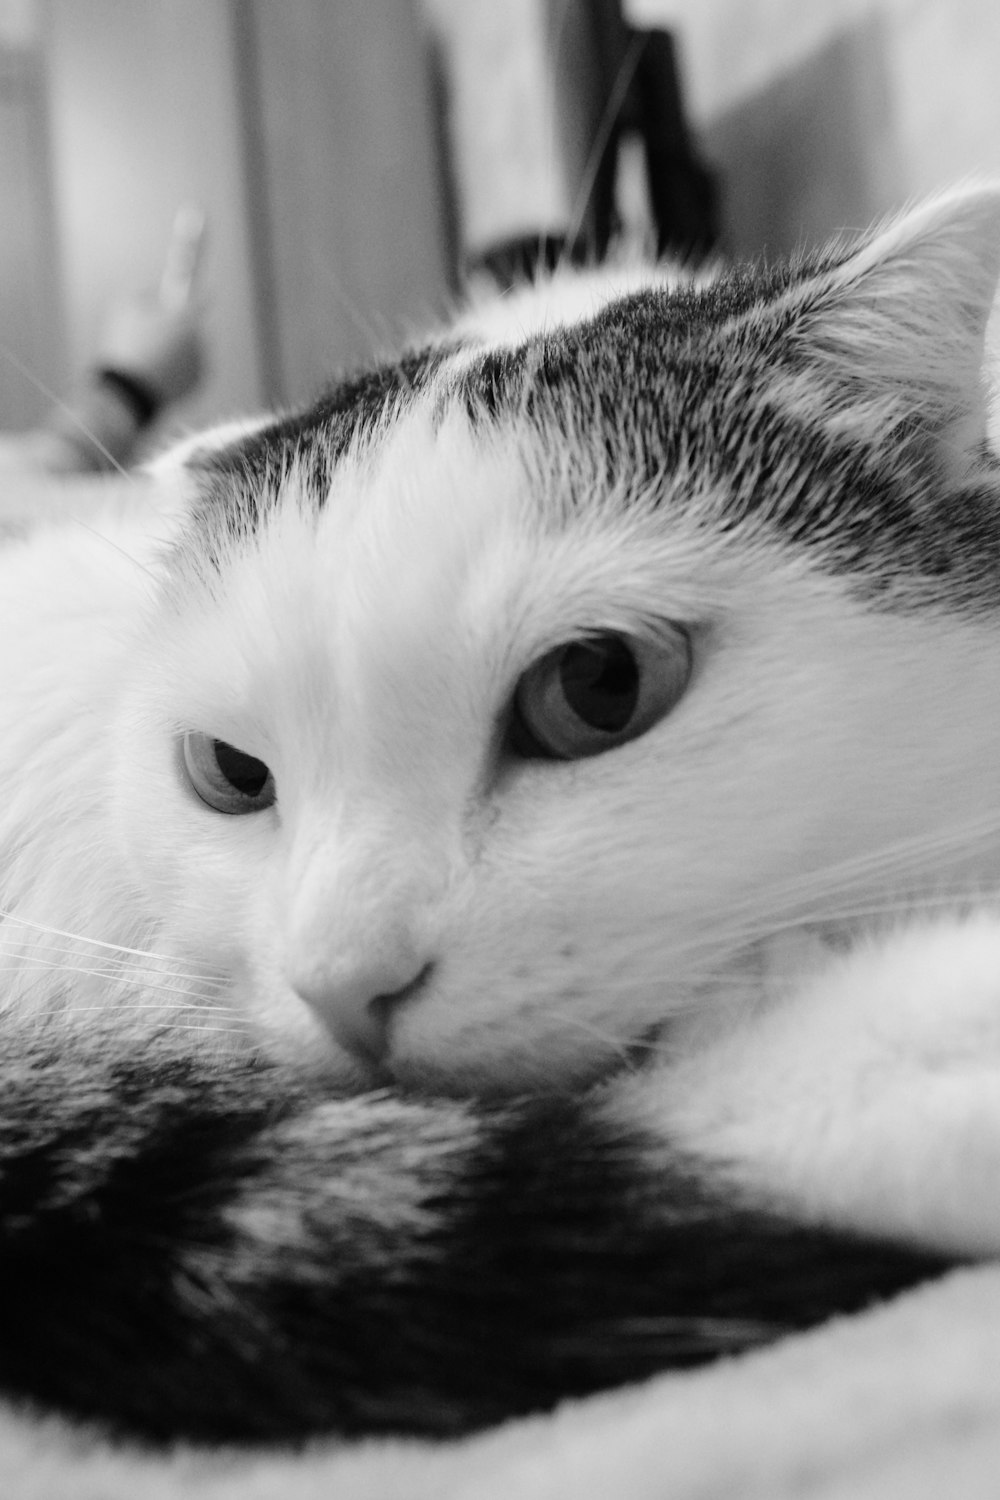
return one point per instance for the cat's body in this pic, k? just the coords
(736, 933)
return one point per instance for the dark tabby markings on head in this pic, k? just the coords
(240, 482)
(682, 394)
(322, 432)
(668, 377)
(190, 1251)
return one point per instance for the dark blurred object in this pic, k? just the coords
(151, 354)
(544, 102)
(683, 192)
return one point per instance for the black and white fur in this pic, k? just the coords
(460, 1078)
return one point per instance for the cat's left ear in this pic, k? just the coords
(904, 315)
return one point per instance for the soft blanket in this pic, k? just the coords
(900, 1403)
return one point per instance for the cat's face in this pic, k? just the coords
(551, 733)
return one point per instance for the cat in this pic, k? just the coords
(499, 868)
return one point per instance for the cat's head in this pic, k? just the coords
(504, 704)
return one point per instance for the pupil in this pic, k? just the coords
(600, 680)
(247, 774)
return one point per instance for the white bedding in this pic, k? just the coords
(902, 1403)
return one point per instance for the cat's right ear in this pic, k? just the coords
(902, 317)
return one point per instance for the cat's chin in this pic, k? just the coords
(427, 1055)
(314, 1057)
(515, 1073)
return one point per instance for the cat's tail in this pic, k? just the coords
(194, 1250)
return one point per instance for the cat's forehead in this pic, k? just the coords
(574, 326)
(701, 402)
(600, 375)
(454, 527)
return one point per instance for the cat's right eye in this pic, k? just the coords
(226, 779)
(599, 691)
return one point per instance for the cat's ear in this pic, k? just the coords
(905, 313)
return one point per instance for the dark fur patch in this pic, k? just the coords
(240, 482)
(664, 389)
(215, 1254)
(675, 391)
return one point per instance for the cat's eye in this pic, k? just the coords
(597, 692)
(227, 779)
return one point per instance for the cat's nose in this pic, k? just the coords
(356, 1002)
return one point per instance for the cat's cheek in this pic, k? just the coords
(198, 872)
(505, 1022)
(517, 1000)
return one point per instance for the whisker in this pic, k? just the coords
(703, 958)
(148, 1010)
(138, 1000)
(144, 997)
(67, 1016)
(101, 968)
(602, 135)
(908, 908)
(912, 858)
(204, 1030)
(10, 916)
(622, 1049)
(62, 406)
(123, 551)
(375, 330)
(18, 944)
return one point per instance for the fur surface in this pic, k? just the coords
(461, 1076)
(211, 1253)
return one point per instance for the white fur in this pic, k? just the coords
(828, 765)
(888, 1118)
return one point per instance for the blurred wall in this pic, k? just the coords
(145, 114)
(348, 216)
(824, 113)
(306, 131)
(31, 328)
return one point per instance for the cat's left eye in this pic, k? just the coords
(602, 690)
(227, 779)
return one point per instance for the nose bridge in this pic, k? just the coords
(362, 860)
(363, 904)
(375, 808)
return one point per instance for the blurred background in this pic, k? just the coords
(355, 159)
